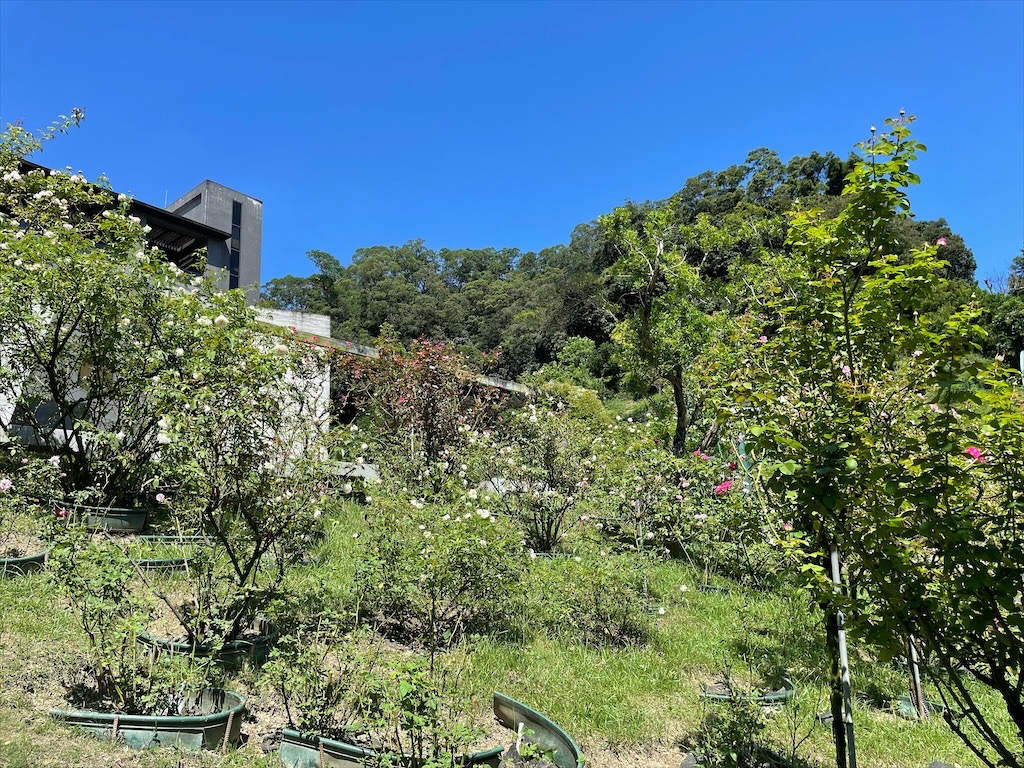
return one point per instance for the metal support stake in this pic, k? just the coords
(916, 694)
(844, 663)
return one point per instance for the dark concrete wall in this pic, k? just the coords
(210, 203)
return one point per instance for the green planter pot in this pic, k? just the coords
(905, 708)
(19, 566)
(719, 693)
(298, 751)
(713, 589)
(232, 655)
(167, 564)
(538, 730)
(217, 725)
(113, 519)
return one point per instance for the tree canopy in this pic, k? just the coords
(726, 227)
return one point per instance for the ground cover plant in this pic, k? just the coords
(600, 566)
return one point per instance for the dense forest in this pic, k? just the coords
(560, 307)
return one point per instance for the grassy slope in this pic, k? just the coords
(607, 698)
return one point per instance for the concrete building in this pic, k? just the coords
(238, 215)
(227, 223)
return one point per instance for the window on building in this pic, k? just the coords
(236, 243)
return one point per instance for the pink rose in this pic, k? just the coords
(762, 340)
(5, 484)
(721, 490)
(941, 241)
(975, 453)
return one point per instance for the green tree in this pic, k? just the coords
(661, 331)
(1015, 283)
(883, 439)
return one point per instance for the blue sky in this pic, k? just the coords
(506, 124)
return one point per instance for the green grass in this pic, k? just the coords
(609, 697)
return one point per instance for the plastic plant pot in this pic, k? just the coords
(19, 566)
(299, 751)
(905, 708)
(537, 729)
(166, 564)
(231, 655)
(717, 692)
(113, 519)
(713, 589)
(216, 725)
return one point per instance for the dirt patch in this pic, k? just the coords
(20, 544)
(603, 755)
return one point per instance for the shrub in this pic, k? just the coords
(84, 364)
(434, 573)
(326, 690)
(98, 581)
(419, 716)
(245, 446)
(542, 471)
(598, 600)
(422, 402)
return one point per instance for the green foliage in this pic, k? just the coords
(139, 378)
(728, 735)
(1015, 283)
(434, 573)
(1004, 325)
(29, 493)
(597, 600)
(98, 581)
(697, 506)
(327, 692)
(662, 330)
(578, 364)
(243, 438)
(419, 716)
(870, 421)
(541, 468)
(85, 360)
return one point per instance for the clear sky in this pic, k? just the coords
(506, 124)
